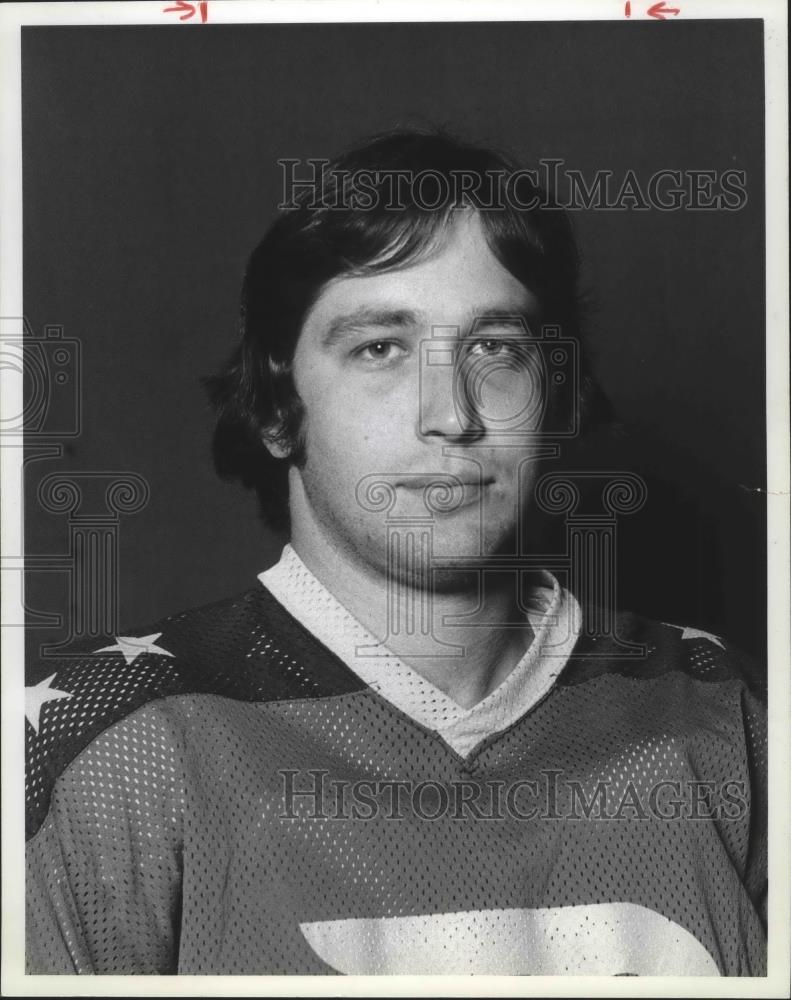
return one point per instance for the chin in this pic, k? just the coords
(461, 546)
(408, 552)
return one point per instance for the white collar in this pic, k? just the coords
(555, 628)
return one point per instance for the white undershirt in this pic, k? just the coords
(555, 624)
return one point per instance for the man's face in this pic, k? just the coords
(408, 377)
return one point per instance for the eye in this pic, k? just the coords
(380, 351)
(492, 346)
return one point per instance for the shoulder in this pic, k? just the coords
(691, 690)
(246, 647)
(633, 646)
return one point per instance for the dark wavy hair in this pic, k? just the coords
(348, 225)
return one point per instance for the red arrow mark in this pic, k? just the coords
(660, 12)
(182, 5)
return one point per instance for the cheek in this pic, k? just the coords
(353, 425)
(342, 445)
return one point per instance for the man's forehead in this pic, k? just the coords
(458, 270)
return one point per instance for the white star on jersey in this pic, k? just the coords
(133, 646)
(696, 633)
(38, 695)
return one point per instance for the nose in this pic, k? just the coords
(446, 409)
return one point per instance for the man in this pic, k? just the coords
(405, 749)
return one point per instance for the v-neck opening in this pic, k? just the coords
(555, 630)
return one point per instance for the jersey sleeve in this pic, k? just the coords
(103, 857)
(104, 867)
(756, 873)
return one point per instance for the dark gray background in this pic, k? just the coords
(150, 172)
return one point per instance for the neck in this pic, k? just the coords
(466, 663)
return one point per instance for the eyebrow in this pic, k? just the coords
(366, 316)
(515, 318)
(388, 319)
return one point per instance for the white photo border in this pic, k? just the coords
(13, 16)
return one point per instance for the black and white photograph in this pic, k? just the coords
(395, 497)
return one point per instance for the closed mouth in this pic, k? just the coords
(446, 493)
(440, 480)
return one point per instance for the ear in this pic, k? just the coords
(274, 443)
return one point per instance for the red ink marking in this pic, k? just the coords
(628, 9)
(189, 9)
(204, 11)
(660, 12)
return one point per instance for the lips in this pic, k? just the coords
(420, 481)
(445, 492)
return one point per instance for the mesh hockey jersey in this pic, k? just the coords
(223, 793)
